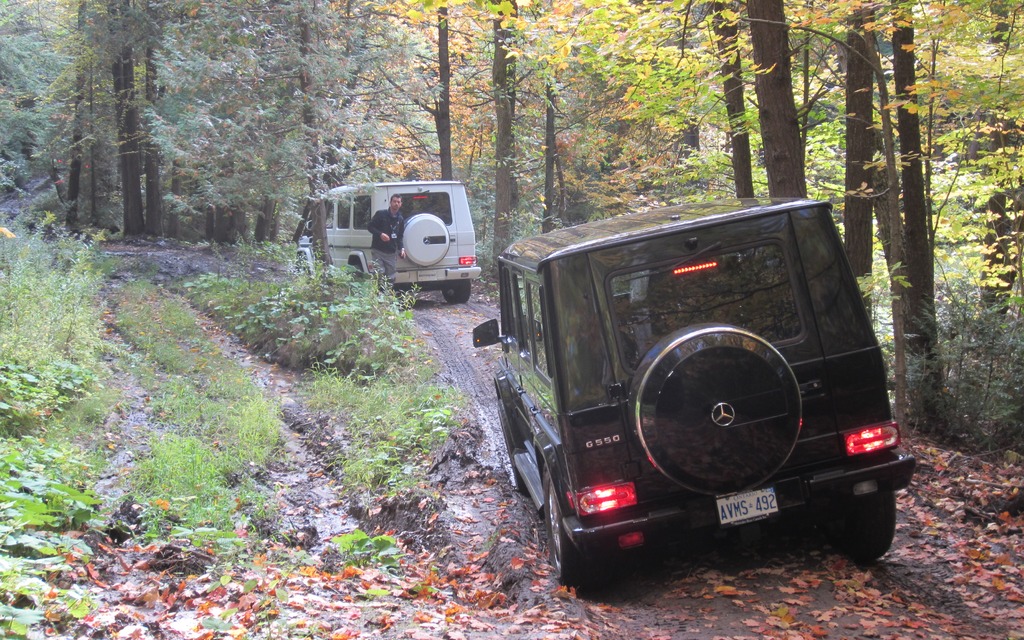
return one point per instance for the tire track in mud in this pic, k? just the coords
(448, 330)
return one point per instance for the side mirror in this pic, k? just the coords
(486, 334)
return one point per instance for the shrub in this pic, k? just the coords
(337, 320)
(49, 328)
(980, 354)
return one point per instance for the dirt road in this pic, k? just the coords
(954, 570)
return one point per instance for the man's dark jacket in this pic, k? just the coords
(384, 222)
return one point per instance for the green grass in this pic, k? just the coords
(212, 427)
(50, 344)
(391, 426)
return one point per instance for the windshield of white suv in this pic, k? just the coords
(748, 288)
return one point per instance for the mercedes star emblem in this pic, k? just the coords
(723, 414)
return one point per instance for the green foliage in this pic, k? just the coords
(27, 396)
(47, 309)
(357, 549)
(980, 355)
(337, 320)
(49, 329)
(392, 426)
(28, 64)
(38, 500)
(38, 506)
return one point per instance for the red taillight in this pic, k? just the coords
(700, 266)
(467, 261)
(605, 498)
(873, 438)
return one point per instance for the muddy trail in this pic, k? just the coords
(476, 562)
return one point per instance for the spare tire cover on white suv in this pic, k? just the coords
(717, 408)
(426, 239)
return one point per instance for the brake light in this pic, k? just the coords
(467, 261)
(700, 266)
(872, 438)
(605, 498)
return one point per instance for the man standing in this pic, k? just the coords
(388, 229)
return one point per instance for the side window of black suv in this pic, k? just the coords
(536, 324)
(523, 319)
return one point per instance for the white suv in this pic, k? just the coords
(440, 244)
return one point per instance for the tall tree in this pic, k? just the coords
(442, 110)
(129, 130)
(503, 76)
(773, 83)
(547, 222)
(861, 144)
(154, 190)
(314, 213)
(726, 27)
(920, 258)
(1003, 258)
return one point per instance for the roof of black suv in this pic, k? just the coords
(535, 251)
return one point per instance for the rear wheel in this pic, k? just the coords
(456, 291)
(866, 529)
(572, 566)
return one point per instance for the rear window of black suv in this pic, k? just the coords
(748, 287)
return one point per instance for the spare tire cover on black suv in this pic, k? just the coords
(717, 408)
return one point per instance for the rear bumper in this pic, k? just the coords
(436, 277)
(818, 493)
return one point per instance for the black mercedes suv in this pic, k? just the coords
(691, 368)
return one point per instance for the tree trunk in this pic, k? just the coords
(735, 108)
(773, 84)
(154, 194)
(1002, 261)
(890, 230)
(266, 222)
(920, 262)
(172, 226)
(506, 194)
(130, 161)
(861, 142)
(75, 163)
(442, 104)
(550, 157)
(314, 215)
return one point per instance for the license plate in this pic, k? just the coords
(747, 506)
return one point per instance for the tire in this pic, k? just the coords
(867, 527)
(571, 565)
(426, 239)
(456, 291)
(717, 408)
